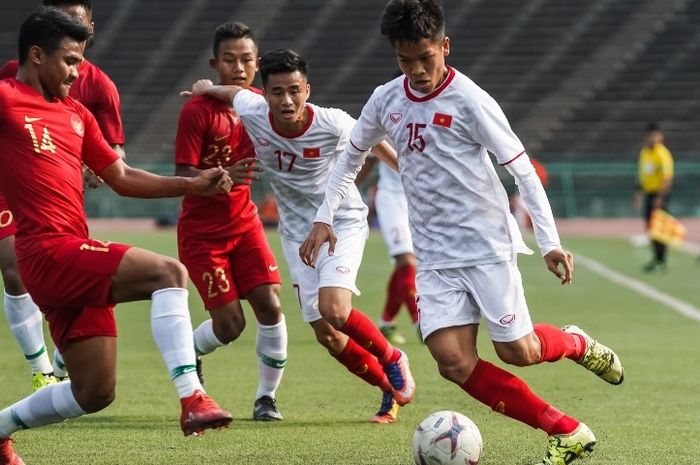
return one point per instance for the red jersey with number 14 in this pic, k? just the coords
(44, 146)
(210, 134)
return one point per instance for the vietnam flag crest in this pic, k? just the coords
(442, 119)
(312, 153)
(666, 229)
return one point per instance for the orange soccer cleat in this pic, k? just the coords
(7, 455)
(200, 412)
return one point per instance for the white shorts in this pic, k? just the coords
(461, 296)
(392, 213)
(337, 270)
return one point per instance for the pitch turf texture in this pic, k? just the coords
(653, 418)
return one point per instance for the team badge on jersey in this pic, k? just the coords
(312, 153)
(77, 125)
(263, 142)
(442, 119)
(395, 117)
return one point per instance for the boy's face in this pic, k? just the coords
(236, 62)
(286, 95)
(652, 138)
(58, 70)
(423, 62)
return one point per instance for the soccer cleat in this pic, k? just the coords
(7, 455)
(392, 334)
(599, 359)
(265, 409)
(388, 411)
(40, 380)
(655, 266)
(565, 448)
(200, 372)
(401, 379)
(200, 412)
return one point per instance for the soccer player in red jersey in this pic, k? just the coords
(94, 89)
(75, 280)
(221, 239)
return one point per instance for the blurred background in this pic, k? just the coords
(579, 80)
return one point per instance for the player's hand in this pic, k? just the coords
(198, 88)
(558, 257)
(211, 182)
(309, 250)
(90, 179)
(244, 171)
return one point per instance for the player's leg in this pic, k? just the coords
(142, 275)
(256, 275)
(23, 315)
(360, 363)
(336, 280)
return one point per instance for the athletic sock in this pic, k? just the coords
(393, 302)
(557, 344)
(271, 347)
(205, 341)
(361, 329)
(27, 325)
(406, 289)
(59, 366)
(172, 332)
(507, 394)
(363, 365)
(51, 404)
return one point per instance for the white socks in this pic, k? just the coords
(27, 325)
(51, 404)
(205, 341)
(271, 346)
(172, 332)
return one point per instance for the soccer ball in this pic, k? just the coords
(447, 438)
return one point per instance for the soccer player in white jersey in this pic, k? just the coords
(297, 144)
(466, 241)
(392, 213)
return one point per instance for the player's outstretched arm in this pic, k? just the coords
(387, 154)
(132, 182)
(206, 87)
(309, 250)
(243, 172)
(563, 258)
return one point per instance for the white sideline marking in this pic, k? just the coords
(684, 308)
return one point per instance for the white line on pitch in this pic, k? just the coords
(684, 308)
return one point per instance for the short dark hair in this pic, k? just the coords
(413, 20)
(652, 127)
(232, 31)
(282, 61)
(87, 4)
(46, 28)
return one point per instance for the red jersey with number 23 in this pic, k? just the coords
(44, 145)
(209, 134)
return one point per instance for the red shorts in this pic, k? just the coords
(8, 226)
(225, 270)
(71, 282)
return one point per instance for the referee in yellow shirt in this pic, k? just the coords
(655, 178)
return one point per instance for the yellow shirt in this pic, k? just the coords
(655, 167)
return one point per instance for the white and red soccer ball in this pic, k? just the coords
(447, 438)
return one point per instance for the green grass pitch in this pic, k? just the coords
(653, 418)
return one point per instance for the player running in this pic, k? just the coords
(76, 280)
(465, 238)
(221, 239)
(297, 143)
(96, 91)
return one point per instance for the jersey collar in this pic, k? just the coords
(414, 98)
(295, 134)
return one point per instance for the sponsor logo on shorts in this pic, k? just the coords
(342, 269)
(395, 117)
(508, 320)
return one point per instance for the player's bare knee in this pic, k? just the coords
(93, 398)
(230, 328)
(334, 313)
(332, 340)
(172, 273)
(457, 371)
(12, 280)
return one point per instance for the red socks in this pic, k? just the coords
(557, 344)
(507, 394)
(401, 290)
(364, 365)
(361, 329)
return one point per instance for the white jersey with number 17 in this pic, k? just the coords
(458, 208)
(299, 165)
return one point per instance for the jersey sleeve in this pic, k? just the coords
(666, 164)
(9, 70)
(107, 111)
(345, 123)
(491, 129)
(368, 130)
(96, 154)
(246, 102)
(191, 128)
